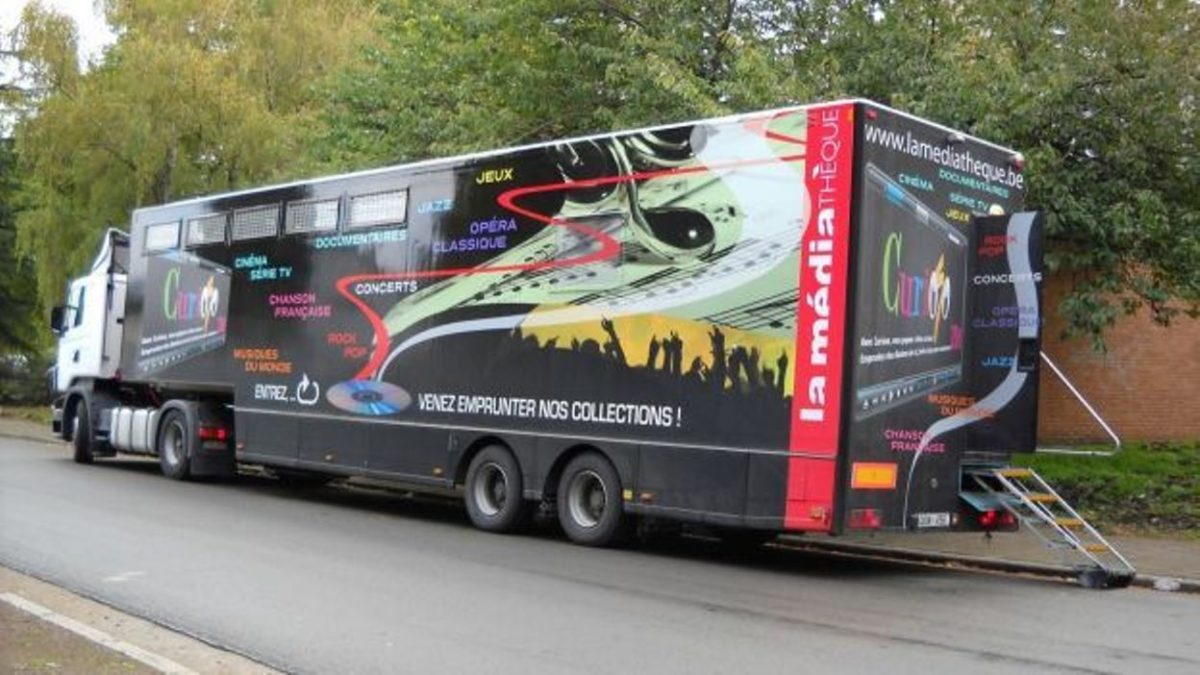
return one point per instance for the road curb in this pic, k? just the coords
(1152, 581)
(96, 637)
(212, 654)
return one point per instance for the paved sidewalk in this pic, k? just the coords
(30, 645)
(46, 628)
(1172, 558)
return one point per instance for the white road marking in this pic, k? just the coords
(124, 576)
(160, 663)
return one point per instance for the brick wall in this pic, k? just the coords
(1146, 386)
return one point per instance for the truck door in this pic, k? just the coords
(83, 326)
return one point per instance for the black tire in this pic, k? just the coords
(1120, 580)
(590, 506)
(176, 441)
(1102, 580)
(81, 434)
(494, 491)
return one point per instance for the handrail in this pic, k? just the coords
(1092, 411)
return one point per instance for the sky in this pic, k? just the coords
(94, 33)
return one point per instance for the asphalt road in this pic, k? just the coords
(335, 580)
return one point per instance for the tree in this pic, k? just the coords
(1100, 96)
(457, 75)
(199, 96)
(18, 292)
(195, 96)
(37, 56)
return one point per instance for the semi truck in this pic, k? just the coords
(820, 318)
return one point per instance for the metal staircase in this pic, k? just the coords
(1042, 511)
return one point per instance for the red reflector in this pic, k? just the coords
(213, 433)
(988, 519)
(865, 519)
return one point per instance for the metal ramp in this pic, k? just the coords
(1047, 515)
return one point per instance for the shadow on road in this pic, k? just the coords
(691, 545)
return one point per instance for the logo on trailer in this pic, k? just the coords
(182, 305)
(925, 294)
(820, 319)
(308, 392)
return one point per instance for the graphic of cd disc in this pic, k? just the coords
(367, 397)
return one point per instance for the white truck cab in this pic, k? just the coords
(89, 329)
(99, 411)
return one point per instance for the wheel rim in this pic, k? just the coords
(491, 489)
(173, 443)
(587, 498)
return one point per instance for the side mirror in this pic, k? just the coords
(56, 319)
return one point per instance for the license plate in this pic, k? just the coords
(933, 519)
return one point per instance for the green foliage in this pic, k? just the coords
(1100, 96)
(19, 322)
(460, 75)
(1145, 486)
(195, 96)
(23, 379)
(198, 96)
(39, 57)
(39, 414)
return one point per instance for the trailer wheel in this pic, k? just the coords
(495, 491)
(589, 502)
(175, 445)
(81, 434)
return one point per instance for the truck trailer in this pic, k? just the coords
(820, 318)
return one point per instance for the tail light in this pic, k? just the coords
(994, 519)
(213, 433)
(989, 519)
(865, 519)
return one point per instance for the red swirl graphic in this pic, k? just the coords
(609, 247)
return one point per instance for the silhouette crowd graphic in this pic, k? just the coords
(738, 368)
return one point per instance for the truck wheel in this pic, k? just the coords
(81, 434)
(495, 491)
(175, 445)
(589, 502)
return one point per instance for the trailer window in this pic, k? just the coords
(161, 237)
(315, 216)
(380, 208)
(206, 230)
(255, 223)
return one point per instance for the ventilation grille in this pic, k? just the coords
(381, 208)
(206, 230)
(319, 216)
(255, 223)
